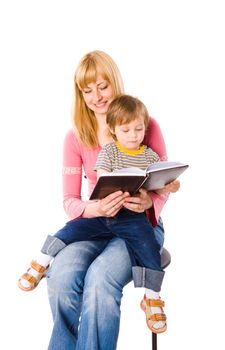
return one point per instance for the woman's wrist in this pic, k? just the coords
(91, 210)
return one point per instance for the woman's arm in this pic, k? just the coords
(72, 177)
(72, 181)
(154, 139)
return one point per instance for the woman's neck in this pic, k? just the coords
(101, 120)
(103, 131)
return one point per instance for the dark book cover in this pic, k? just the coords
(130, 180)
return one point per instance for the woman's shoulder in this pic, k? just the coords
(154, 138)
(72, 136)
(152, 123)
(153, 128)
(150, 130)
(71, 141)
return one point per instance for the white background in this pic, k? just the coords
(171, 55)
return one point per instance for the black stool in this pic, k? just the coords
(165, 261)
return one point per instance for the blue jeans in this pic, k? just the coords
(85, 284)
(134, 228)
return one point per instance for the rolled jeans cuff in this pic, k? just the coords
(144, 277)
(52, 246)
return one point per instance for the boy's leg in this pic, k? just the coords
(144, 250)
(159, 233)
(74, 231)
(143, 247)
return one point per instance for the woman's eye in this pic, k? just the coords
(87, 91)
(103, 87)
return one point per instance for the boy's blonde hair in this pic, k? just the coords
(93, 64)
(124, 109)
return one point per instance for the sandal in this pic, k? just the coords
(33, 281)
(151, 318)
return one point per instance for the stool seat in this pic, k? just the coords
(165, 258)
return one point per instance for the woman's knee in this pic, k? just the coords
(111, 269)
(70, 266)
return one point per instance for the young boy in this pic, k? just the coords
(127, 119)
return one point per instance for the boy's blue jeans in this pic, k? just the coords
(134, 228)
(85, 287)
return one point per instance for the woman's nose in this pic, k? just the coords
(97, 96)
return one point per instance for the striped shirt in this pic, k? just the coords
(114, 157)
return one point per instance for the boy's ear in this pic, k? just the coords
(109, 132)
(112, 132)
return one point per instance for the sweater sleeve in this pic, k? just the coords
(155, 140)
(72, 177)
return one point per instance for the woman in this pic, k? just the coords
(86, 279)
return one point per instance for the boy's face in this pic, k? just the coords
(131, 135)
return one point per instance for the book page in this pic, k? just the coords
(164, 165)
(126, 171)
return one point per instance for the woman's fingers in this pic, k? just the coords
(139, 203)
(111, 204)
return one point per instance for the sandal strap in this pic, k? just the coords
(31, 279)
(155, 302)
(37, 267)
(157, 317)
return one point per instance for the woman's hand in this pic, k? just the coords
(108, 206)
(171, 187)
(139, 203)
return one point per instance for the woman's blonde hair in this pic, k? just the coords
(124, 109)
(93, 64)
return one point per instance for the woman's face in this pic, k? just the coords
(98, 95)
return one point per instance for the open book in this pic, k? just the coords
(154, 177)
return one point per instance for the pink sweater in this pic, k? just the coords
(77, 156)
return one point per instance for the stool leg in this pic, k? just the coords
(154, 341)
